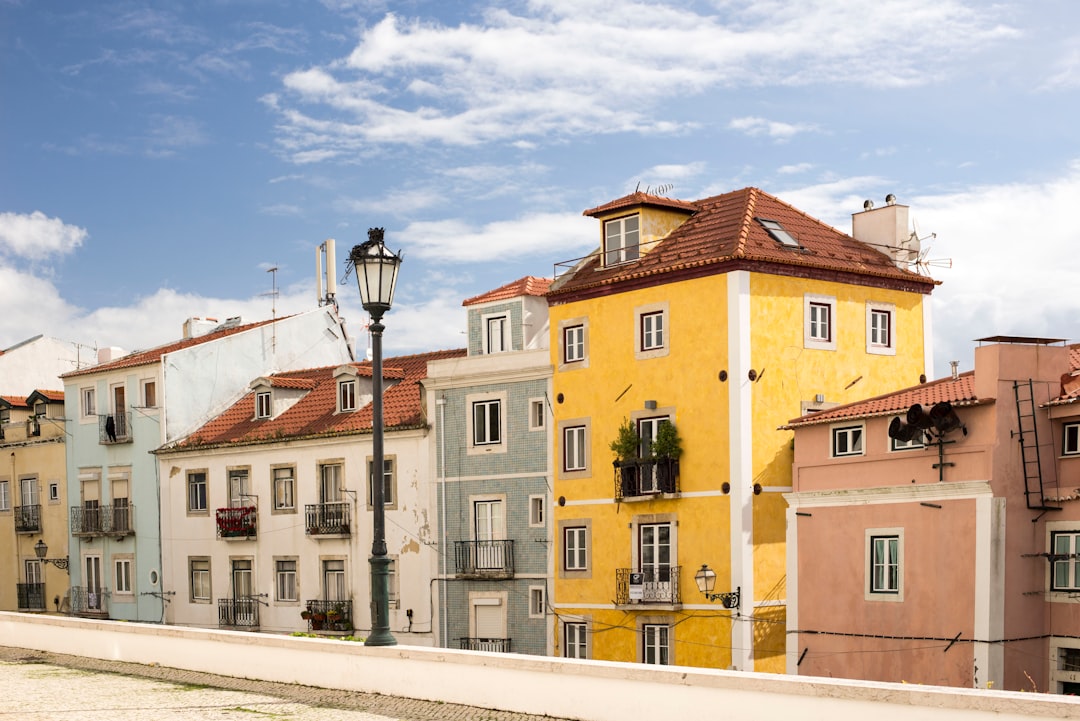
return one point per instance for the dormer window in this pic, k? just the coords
(346, 395)
(262, 404)
(496, 333)
(40, 409)
(777, 233)
(622, 237)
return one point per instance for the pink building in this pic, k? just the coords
(933, 532)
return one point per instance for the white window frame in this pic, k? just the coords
(852, 436)
(88, 402)
(564, 426)
(54, 491)
(575, 637)
(537, 511)
(5, 495)
(148, 392)
(123, 575)
(193, 510)
(537, 602)
(283, 489)
(575, 448)
(569, 336)
(622, 240)
(537, 414)
(574, 343)
(204, 578)
(346, 395)
(575, 556)
(914, 444)
(389, 481)
(263, 405)
(495, 330)
(872, 592)
(1070, 439)
(656, 645)
(286, 580)
(874, 343)
(1065, 542)
(646, 343)
(487, 444)
(812, 336)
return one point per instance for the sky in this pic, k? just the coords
(157, 159)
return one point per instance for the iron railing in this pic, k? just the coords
(236, 522)
(651, 584)
(114, 428)
(322, 519)
(102, 520)
(646, 477)
(27, 519)
(328, 615)
(241, 612)
(501, 645)
(89, 601)
(489, 559)
(31, 596)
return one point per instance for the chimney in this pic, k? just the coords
(111, 353)
(886, 229)
(195, 327)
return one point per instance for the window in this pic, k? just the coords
(495, 334)
(896, 444)
(574, 343)
(847, 441)
(122, 577)
(656, 641)
(387, 481)
(330, 485)
(574, 640)
(199, 571)
(879, 328)
(346, 395)
(149, 394)
(1070, 444)
(575, 547)
(486, 424)
(536, 510)
(239, 488)
(819, 330)
(778, 233)
(537, 414)
(262, 404)
(54, 491)
(884, 564)
(621, 240)
(284, 489)
(1065, 571)
(89, 407)
(537, 605)
(652, 331)
(5, 496)
(574, 444)
(334, 588)
(196, 487)
(285, 580)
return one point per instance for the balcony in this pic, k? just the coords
(31, 596)
(327, 519)
(499, 645)
(657, 585)
(645, 477)
(236, 522)
(27, 519)
(484, 559)
(333, 616)
(115, 520)
(238, 612)
(90, 602)
(114, 428)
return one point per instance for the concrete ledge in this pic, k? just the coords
(567, 688)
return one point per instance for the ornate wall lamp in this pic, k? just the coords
(706, 582)
(41, 550)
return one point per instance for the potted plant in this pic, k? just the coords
(318, 618)
(626, 446)
(666, 448)
(306, 614)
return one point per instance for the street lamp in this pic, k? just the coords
(41, 550)
(705, 579)
(376, 274)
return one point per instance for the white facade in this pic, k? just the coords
(39, 362)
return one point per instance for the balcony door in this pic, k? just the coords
(334, 581)
(239, 489)
(93, 583)
(330, 485)
(489, 529)
(647, 430)
(488, 624)
(32, 569)
(243, 590)
(29, 495)
(91, 494)
(655, 555)
(121, 522)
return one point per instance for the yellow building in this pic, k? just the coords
(32, 502)
(726, 316)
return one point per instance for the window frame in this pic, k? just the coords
(563, 427)
(127, 575)
(537, 511)
(193, 586)
(812, 338)
(643, 348)
(281, 574)
(623, 251)
(501, 320)
(1070, 447)
(579, 548)
(662, 653)
(874, 345)
(389, 484)
(194, 510)
(871, 590)
(263, 405)
(5, 495)
(537, 594)
(346, 395)
(275, 482)
(1071, 565)
(473, 402)
(850, 430)
(537, 414)
(148, 392)
(575, 452)
(88, 402)
(574, 343)
(579, 643)
(565, 361)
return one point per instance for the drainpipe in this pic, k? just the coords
(441, 403)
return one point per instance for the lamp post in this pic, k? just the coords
(376, 274)
(705, 579)
(41, 550)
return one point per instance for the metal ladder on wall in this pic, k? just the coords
(1028, 434)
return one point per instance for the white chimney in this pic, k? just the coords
(111, 353)
(886, 229)
(195, 327)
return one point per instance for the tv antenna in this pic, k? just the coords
(273, 306)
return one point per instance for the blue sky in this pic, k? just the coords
(157, 158)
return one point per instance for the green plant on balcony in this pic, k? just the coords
(666, 449)
(626, 446)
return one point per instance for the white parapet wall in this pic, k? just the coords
(565, 688)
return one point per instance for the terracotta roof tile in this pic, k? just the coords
(1070, 382)
(13, 401)
(529, 285)
(315, 415)
(298, 383)
(724, 228)
(639, 198)
(959, 391)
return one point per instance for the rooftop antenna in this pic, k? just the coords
(325, 261)
(273, 305)
(921, 261)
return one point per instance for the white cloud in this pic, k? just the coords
(37, 236)
(779, 131)
(545, 235)
(396, 202)
(794, 169)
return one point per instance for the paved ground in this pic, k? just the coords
(42, 686)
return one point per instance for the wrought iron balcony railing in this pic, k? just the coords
(328, 615)
(28, 519)
(240, 612)
(114, 428)
(486, 559)
(116, 520)
(646, 477)
(236, 522)
(89, 601)
(321, 519)
(31, 596)
(651, 584)
(501, 645)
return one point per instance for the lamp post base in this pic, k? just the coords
(380, 603)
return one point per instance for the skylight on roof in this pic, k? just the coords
(778, 233)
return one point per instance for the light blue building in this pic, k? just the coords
(492, 415)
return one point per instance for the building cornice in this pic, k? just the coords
(912, 493)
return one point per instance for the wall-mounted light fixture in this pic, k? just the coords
(41, 550)
(705, 579)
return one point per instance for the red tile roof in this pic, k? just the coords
(958, 391)
(724, 230)
(529, 285)
(1070, 382)
(153, 355)
(314, 414)
(639, 198)
(297, 383)
(13, 401)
